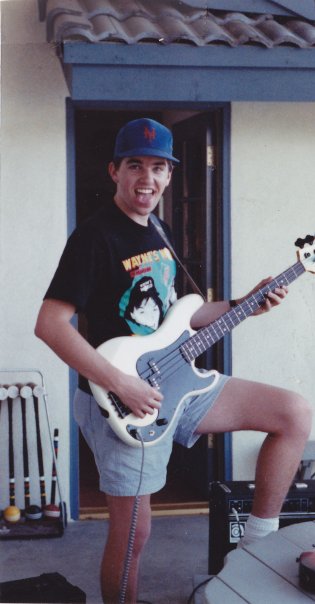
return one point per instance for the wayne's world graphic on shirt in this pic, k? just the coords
(144, 305)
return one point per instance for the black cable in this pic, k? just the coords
(132, 532)
(190, 599)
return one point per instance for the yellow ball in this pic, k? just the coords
(12, 514)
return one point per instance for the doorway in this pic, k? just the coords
(191, 207)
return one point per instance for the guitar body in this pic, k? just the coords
(157, 358)
(165, 359)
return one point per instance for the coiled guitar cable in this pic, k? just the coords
(132, 532)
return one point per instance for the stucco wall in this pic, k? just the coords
(273, 183)
(33, 201)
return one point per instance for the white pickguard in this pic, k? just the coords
(124, 352)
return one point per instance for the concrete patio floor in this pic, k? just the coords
(176, 554)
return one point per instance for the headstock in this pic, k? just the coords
(306, 253)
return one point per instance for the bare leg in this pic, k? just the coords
(286, 418)
(112, 567)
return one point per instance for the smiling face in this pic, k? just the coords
(141, 182)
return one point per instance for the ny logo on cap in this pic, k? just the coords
(149, 134)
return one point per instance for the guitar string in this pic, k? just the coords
(174, 359)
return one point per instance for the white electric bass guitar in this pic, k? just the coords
(165, 359)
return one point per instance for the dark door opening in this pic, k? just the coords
(195, 225)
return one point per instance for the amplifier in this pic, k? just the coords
(230, 504)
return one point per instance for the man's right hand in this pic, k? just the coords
(137, 395)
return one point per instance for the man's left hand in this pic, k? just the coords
(273, 298)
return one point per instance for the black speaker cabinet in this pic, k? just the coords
(230, 504)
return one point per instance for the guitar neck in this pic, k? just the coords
(209, 335)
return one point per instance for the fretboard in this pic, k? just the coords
(207, 336)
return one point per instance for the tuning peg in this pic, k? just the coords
(309, 239)
(300, 243)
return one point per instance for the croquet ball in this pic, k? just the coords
(33, 512)
(52, 511)
(12, 514)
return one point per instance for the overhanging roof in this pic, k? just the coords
(191, 53)
(172, 21)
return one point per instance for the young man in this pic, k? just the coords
(117, 270)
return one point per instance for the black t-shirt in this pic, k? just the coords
(120, 274)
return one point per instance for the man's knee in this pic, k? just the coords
(143, 532)
(142, 525)
(298, 414)
(305, 412)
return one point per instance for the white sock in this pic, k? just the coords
(256, 528)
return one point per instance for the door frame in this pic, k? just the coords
(224, 443)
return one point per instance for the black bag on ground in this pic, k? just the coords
(50, 588)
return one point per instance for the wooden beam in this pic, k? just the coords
(194, 508)
(304, 8)
(242, 6)
(185, 74)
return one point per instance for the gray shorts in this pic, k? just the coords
(119, 464)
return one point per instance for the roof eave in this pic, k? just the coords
(182, 73)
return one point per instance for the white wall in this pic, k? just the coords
(273, 184)
(33, 201)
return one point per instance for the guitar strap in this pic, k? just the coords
(156, 223)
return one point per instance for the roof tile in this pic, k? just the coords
(170, 21)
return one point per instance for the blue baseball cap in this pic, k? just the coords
(144, 137)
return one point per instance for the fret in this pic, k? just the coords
(282, 281)
(199, 344)
(188, 351)
(209, 335)
(219, 328)
(238, 314)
